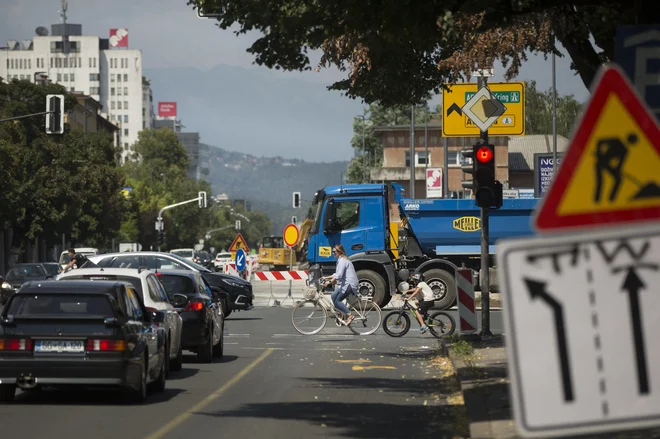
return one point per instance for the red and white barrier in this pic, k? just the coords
(280, 275)
(466, 302)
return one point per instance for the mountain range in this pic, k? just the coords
(268, 183)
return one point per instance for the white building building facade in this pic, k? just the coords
(112, 76)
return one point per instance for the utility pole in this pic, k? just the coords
(412, 151)
(554, 115)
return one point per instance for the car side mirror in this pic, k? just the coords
(179, 300)
(329, 218)
(111, 322)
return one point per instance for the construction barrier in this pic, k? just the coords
(467, 314)
(265, 283)
(250, 265)
(280, 275)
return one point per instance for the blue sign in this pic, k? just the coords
(543, 172)
(240, 260)
(638, 54)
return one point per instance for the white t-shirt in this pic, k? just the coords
(427, 292)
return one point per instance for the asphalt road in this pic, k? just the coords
(271, 383)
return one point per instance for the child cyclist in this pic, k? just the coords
(426, 299)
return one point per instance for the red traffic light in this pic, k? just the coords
(484, 154)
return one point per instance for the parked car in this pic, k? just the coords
(85, 251)
(234, 292)
(203, 321)
(153, 295)
(220, 260)
(80, 333)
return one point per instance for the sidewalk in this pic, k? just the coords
(481, 367)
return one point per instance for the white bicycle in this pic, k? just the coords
(310, 315)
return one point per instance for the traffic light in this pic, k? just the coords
(55, 116)
(294, 220)
(161, 237)
(238, 224)
(202, 199)
(485, 190)
(296, 200)
(469, 167)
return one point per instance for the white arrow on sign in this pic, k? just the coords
(239, 261)
(573, 370)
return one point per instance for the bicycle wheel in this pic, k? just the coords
(308, 317)
(441, 324)
(367, 317)
(396, 324)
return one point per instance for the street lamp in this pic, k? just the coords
(364, 151)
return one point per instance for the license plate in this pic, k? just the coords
(60, 346)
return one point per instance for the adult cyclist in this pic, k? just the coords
(347, 282)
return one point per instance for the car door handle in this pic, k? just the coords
(357, 247)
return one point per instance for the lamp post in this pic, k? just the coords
(364, 151)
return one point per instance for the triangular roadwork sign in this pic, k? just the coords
(610, 173)
(239, 242)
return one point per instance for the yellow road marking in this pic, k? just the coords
(353, 361)
(373, 367)
(167, 428)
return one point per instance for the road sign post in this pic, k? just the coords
(201, 199)
(572, 372)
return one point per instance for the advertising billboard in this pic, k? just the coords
(543, 172)
(434, 183)
(119, 37)
(167, 109)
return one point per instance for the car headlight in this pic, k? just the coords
(232, 283)
(6, 286)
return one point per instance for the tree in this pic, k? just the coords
(538, 111)
(398, 52)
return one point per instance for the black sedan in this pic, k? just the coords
(19, 274)
(80, 333)
(203, 321)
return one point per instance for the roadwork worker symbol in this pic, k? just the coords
(611, 154)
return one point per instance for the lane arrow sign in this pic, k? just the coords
(456, 108)
(632, 284)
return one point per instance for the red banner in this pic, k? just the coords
(119, 37)
(167, 109)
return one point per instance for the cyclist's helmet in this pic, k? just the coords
(417, 278)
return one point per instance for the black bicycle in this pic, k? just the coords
(397, 323)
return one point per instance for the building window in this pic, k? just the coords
(125, 131)
(125, 105)
(94, 62)
(90, 63)
(94, 90)
(80, 62)
(455, 158)
(420, 158)
(112, 91)
(29, 64)
(125, 91)
(118, 91)
(72, 77)
(112, 105)
(118, 77)
(66, 63)
(112, 77)
(72, 89)
(119, 105)
(125, 77)
(73, 63)
(59, 77)
(125, 118)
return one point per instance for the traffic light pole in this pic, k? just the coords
(159, 220)
(26, 116)
(485, 257)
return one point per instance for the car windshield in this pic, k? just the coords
(190, 263)
(135, 281)
(177, 285)
(52, 269)
(60, 305)
(224, 256)
(183, 253)
(273, 242)
(26, 271)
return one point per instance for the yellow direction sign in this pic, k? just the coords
(239, 242)
(456, 124)
(610, 173)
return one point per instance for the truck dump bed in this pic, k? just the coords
(451, 226)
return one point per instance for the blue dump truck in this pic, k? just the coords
(383, 233)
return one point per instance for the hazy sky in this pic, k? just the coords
(170, 34)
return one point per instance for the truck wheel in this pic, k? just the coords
(443, 285)
(371, 284)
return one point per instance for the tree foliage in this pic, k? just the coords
(538, 111)
(159, 177)
(398, 52)
(54, 184)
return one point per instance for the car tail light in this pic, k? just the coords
(106, 345)
(15, 344)
(194, 305)
(159, 274)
